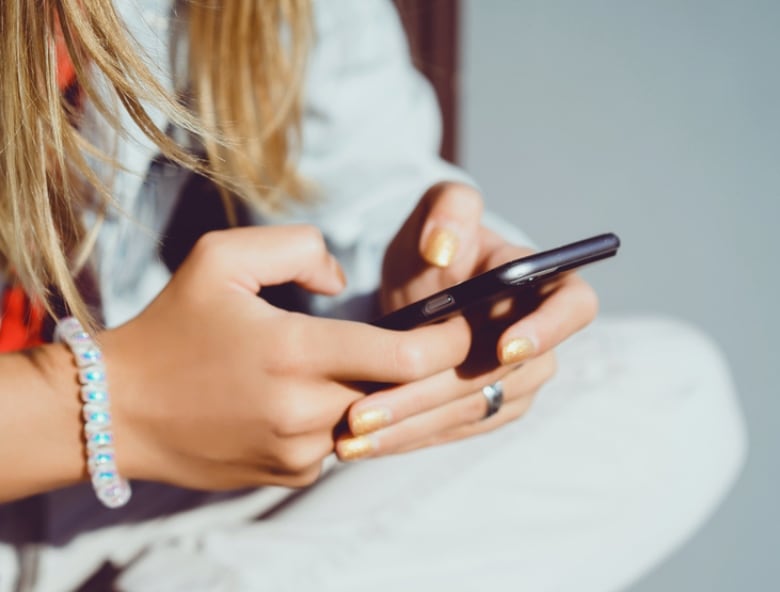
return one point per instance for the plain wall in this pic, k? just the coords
(658, 120)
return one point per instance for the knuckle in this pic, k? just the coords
(550, 366)
(289, 417)
(311, 238)
(525, 404)
(473, 409)
(288, 355)
(300, 475)
(467, 198)
(297, 458)
(212, 246)
(410, 360)
(304, 478)
(475, 197)
(518, 411)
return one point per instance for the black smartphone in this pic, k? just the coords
(519, 278)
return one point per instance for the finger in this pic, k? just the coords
(253, 257)
(497, 251)
(510, 412)
(568, 308)
(348, 350)
(310, 405)
(437, 245)
(394, 405)
(299, 456)
(460, 416)
(519, 394)
(452, 213)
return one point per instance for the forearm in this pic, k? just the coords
(41, 445)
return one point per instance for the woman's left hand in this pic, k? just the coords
(442, 243)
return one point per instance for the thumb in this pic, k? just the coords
(253, 257)
(450, 232)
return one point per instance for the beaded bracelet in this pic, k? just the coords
(111, 489)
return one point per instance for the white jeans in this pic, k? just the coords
(623, 455)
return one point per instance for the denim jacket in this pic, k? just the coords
(371, 132)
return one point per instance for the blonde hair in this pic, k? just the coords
(245, 78)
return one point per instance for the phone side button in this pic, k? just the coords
(438, 304)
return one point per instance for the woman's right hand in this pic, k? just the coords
(214, 388)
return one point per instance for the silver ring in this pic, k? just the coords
(494, 395)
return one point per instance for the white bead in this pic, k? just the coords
(78, 339)
(101, 455)
(98, 439)
(104, 477)
(96, 417)
(115, 495)
(96, 373)
(96, 393)
(87, 355)
(67, 327)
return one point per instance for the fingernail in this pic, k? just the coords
(356, 448)
(517, 350)
(371, 420)
(441, 246)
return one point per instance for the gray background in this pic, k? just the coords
(659, 120)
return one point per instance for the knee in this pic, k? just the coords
(680, 383)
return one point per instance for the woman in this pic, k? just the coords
(213, 389)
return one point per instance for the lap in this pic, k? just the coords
(623, 454)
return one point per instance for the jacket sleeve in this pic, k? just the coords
(371, 136)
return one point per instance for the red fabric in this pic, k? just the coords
(22, 320)
(66, 72)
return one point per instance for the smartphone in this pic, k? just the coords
(522, 278)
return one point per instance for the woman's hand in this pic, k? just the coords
(214, 388)
(442, 243)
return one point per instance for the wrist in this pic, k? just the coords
(115, 363)
(40, 424)
(129, 391)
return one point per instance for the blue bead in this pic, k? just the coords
(106, 476)
(95, 375)
(99, 417)
(101, 438)
(96, 396)
(90, 355)
(103, 458)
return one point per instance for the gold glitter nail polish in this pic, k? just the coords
(356, 448)
(370, 421)
(517, 350)
(440, 248)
